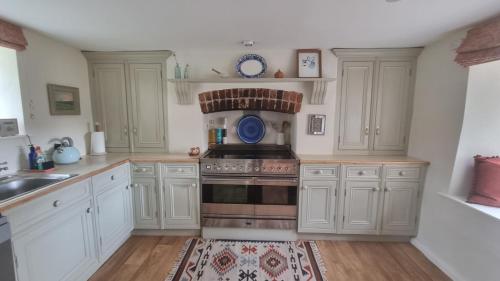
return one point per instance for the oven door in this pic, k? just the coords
(249, 190)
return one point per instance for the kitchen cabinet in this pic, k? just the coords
(146, 91)
(317, 206)
(129, 99)
(375, 101)
(145, 196)
(181, 196)
(53, 236)
(361, 203)
(400, 208)
(113, 209)
(111, 103)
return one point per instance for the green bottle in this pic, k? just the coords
(177, 71)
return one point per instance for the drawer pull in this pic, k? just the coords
(361, 173)
(180, 170)
(401, 173)
(248, 223)
(193, 184)
(387, 189)
(126, 187)
(56, 203)
(375, 189)
(305, 187)
(112, 177)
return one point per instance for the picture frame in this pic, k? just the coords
(309, 63)
(317, 124)
(63, 100)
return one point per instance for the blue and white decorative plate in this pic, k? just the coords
(251, 129)
(251, 66)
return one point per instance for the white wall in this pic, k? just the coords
(461, 240)
(48, 61)
(10, 92)
(481, 127)
(186, 123)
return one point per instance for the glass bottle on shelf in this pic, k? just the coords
(186, 72)
(177, 71)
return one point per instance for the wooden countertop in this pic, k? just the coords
(358, 159)
(93, 165)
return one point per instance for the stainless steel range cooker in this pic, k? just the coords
(249, 186)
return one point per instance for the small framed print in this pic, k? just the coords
(63, 100)
(309, 63)
(317, 124)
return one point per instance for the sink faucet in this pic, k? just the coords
(4, 168)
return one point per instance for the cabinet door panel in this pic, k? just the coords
(392, 105)
(145, 203)
(355, 105)
(147, 105)
(400, 207)
(360, 214)
(58, 248)
(181, 203)
(113, 218)
(317, 206)
(109, 83)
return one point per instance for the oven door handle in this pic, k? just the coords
(228, 181)
(277, 181)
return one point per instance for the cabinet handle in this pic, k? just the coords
(56, 203)
(193, 184)
(126, 187)
(112, 177)
(180, 170)
(125, 131)
(305, 187)
(401, 173)
(367, 131)
(375, 189)
(387, 189)
(134, 130)
(361, 173)
(377, 131)
(89, 210)
(144, 170)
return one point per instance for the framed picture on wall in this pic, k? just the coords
(309, 63)
(63, 100)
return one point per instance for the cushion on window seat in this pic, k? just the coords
(486, 184)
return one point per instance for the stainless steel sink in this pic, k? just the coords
(20, 184)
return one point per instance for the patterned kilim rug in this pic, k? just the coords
(222, 260)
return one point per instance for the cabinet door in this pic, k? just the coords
(114, 218)
(147, 106)
(61, 247)
(145, 203)
(400, 208)
(317, 206)
(110, 91)
(181, 203)
(393, 93)
(355, 105)
(360, 214)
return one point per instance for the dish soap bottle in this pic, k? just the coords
(32, 157)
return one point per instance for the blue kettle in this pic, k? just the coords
(65, 152)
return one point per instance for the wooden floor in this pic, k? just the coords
(151, 258)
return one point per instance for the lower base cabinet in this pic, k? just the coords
(400, 208)
(181, 203)
(61, 247)
(145, 203)
(114, 218)
(361, 204)
(317, 206)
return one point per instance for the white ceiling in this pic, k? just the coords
(179, 24)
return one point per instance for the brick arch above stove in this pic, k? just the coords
(250, 99)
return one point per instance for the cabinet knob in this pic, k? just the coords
(367, 131)
(126, 187)
(193, 184)
(361, 173)
(387, 189)
(305, 187)
(125, 131)
(112, 177)
(180, 170)
(57, 203)
(144, 170)
(401, 173)
(134, 130)
(89, 210)
(375, 189)
(377, 131)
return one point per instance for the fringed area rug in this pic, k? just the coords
(222, 260)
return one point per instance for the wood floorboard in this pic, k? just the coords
(150, 258)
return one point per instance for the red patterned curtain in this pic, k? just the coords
(11, 36)
(482, 44)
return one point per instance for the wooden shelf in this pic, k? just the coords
(185, 95)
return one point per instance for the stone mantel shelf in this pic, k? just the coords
(185, 95)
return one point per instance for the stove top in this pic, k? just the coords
(249, 160)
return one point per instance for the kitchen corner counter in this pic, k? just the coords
(89, 166)
(359, 159)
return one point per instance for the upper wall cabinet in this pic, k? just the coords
(129, 99)
(375, 100)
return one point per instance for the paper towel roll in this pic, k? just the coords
(97, 143)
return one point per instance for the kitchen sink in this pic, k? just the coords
(19, 184)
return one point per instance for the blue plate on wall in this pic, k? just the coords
(251, 129)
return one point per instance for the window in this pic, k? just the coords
(10, 92)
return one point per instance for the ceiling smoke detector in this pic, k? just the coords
(248, 43)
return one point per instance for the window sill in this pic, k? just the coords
(489, 211)
(13, 137)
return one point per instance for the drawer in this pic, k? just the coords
(181, 170)
(320, 171)
(31, 212)
(116, 175)
(393, 173)
(362, 172)
(143, 169)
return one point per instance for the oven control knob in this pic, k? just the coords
(234, 168)
(256, 169)
(209, 167)
(279, 168)
(218, 168)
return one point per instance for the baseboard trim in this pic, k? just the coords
(442, 265)
(353, 237)
(165, 232)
